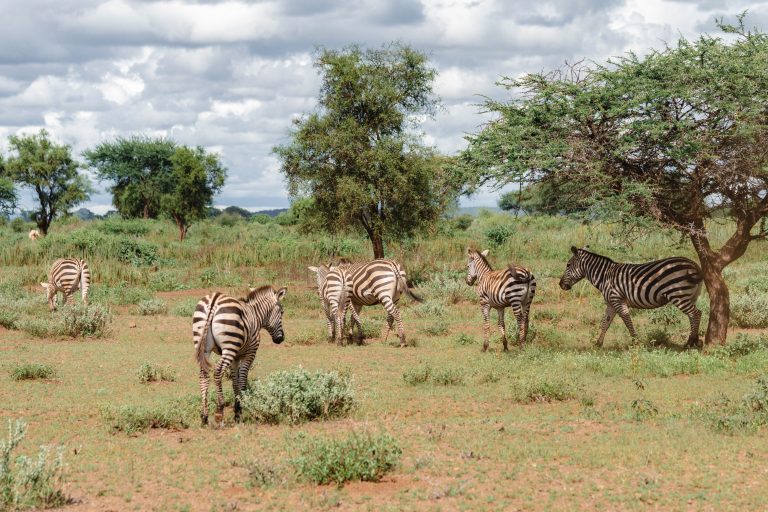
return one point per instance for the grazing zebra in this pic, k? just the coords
(512, 287)
(331, 285)
(230, 327)
(380, 281)
(66, 276)
(321, 273)
(646, 286)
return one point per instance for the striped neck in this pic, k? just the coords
(595, 266)
(482, 266)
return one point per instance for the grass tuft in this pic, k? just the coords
(32, 371)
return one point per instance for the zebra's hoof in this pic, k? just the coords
(204, 420)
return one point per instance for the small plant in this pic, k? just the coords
(9, 319)
(417, 375)
(151, 307)
(42, 327)
(498, 234)
(448, 376)
(424, 373)
(30, 482)
(437, 328)
(642, 409)
(430, 309)
(133, 419)
(297, 396)
(750, 310)
(658, 338)
(263, 473)
(185, 308)
(742, 345)
(82, 320)
(151, 373)
(465, 339)
(360, 456)
(32, 371)
(545, 390)
(748, 415)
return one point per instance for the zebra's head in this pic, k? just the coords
(472, 259)
(273, 323)
(320, 273)
(573, 269)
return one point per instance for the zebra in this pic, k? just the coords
(649, 285)
(512, 287)
(231, 327)
(380, 281)
(66, 276)
(330, 286)
(321, 273)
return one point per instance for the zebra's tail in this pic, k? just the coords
(202, 357)
(402, 283)
(85, 280)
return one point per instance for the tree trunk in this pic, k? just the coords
(719, 305)
(146, 210)
(378, 245)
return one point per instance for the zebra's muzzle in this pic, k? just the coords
(565, 285)
(278, 338)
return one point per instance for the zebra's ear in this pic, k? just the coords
(281, 293)
(585, 248)
(574, 250)
(313, 269)
(44, 285)
(485, 252)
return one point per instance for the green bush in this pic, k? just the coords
(151, 373)
(133, 419)
(423, 373)
(544, 389)
(418, 375)
(361, 456)
(437, 328)
(263, 473)
(9, 319)
(42, 327)
(117, 226)
(749, 310)
(747, 415)
(185, 308)
(82, 320)
(261, 218)
(151, 307)
(497, 234)
(465, 339)
(642, 409)
(120, 294)
(32, 371)
(137, 252)
(29, 482)
(447, 376)
(742, 345)
(297, 396)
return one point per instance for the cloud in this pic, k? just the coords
(231, 75)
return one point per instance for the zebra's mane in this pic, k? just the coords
(485, 260)
(257, 292)
(600, 256)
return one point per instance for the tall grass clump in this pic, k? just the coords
(545, 389)
(82, 320)
(32, 371)
(151, 373)
(360, 456)
(747, 415)
(134, 419)
(29, 482)
(424, 373)
(750, 310)
(152, 307)
(296, 396)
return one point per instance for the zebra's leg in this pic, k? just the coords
(623, 312)
(503, 328)
(392, 310)
(234, 368)
(610, 312)
(356, 318)
(390, 322)
(522, 324)
(241, 377)
(694, 316)
(329, 322)
(204, 382)
(486, 310)
(218, 375)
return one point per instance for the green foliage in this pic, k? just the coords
(32, 371)
(743, 345)
(361, 456)
(80, 320)
(261, 218)
(747, 415)
(151, 373)
(29, 482)
(424, 373)
(545, 389)
(8, 196)
(136, 252)
(355, 157)
(642, 409)
(498, 234)
(465, 339)
(50, 171)
(135, 419)
(152, 307)
(297, 396)
(118, 226)
(462, 222)
(750, 310)
(185, 308)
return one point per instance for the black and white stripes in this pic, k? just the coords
(66, 276)
(649, 285)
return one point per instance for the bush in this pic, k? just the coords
(261, 218)
(498, 234)
(642, 409)
(151, 307)
(82, 320)
(448, 376)
(151, 373)
(120, 294)
(185, 308)
(465, 339)
(263, 473)
(116, 226)
(137, 252)
(42, 327)
(462, 222)
(437, 328)
(32, 371)
(30, 482)
(168, 281)
(133, 419)
(360, 456)
(749, 414)
(444, 376)
(749, 310)
(297, 396)
(542, 389)
(743, 345)
(417, 375)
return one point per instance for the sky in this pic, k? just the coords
(230, 76)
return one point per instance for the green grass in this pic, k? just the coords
(32, 371)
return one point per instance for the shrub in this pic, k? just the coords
(749, 310)
(167, 281)
(642, 409)
(263, 473)
(497, 234)
(185, 308)
(119, 295)
(751, 413)
(42, 327)
(151, 307)
(9, 319)
(448, 376)
(116, 226)
(30, 482)
(657, 337)
(465, 339)
(82, 320)
(360, 456)
(437, 328)
(430, 309)
(261, 218)
(445, 376)
(151, 373)
(137, 252)
(448, 287)
(542, 389)
(133, 419)
(742, 345)
(297, 396)
(32, 371)
(462, 222)
(417, 375)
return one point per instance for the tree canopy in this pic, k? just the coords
(138, 168)
(50, 171)
(8, 195)
(359, 157)
(672, 138)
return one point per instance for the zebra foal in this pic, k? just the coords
(513, 287)
(649, 285)
(66, 276)
(230, 327)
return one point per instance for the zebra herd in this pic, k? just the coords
(231, 327)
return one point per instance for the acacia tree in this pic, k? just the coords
(49, 169)
(358, 157)
(195, 177)
(675, 137)
(8, 195)
(138, 168)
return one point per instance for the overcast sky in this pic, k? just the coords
(230, 76)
